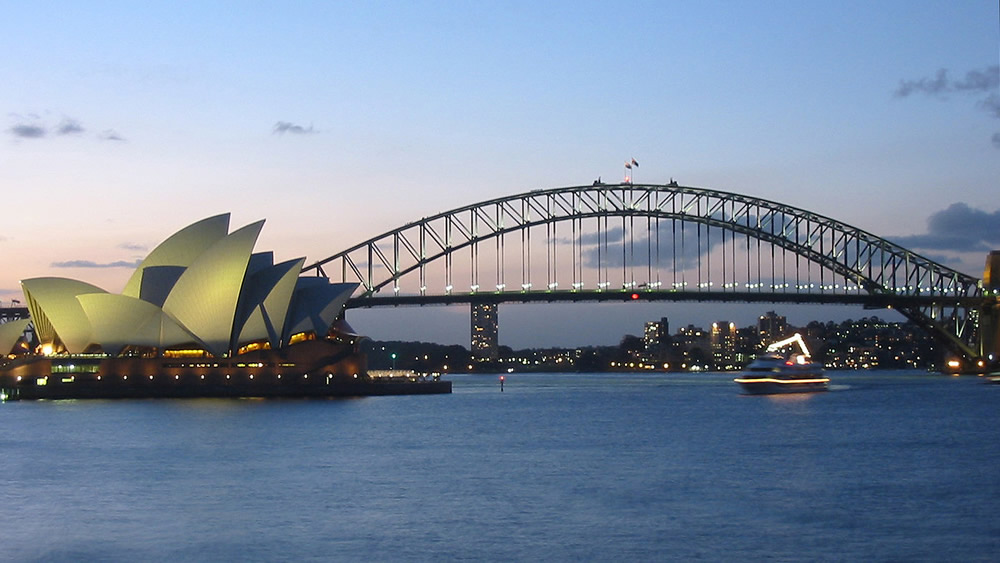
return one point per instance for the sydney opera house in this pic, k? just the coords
(202, 315)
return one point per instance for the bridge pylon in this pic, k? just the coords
(989, 313)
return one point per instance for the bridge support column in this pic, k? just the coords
(989, 314)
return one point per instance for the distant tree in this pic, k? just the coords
(417, 356)
(631, 342)
(595, 359)
(629, 345)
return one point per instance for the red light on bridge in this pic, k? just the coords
(635, 296)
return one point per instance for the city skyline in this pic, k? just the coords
(337, 123)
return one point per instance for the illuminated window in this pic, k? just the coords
(185, 354)
(253, 347)
(301, 337)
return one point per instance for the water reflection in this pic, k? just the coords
(790, 398)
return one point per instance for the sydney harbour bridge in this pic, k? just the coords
(621, 242)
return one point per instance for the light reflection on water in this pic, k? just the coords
(885, 466)
(791, 398)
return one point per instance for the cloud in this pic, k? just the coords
(976, 81)
(670, 244)
(282, 127)
(980, 81)
(110, 135)
(32, 126)
(959, 217)
(92, 264)
(69, 127)
(952, 242)
(615, 234)
(959, 228)
(932, 86)
(949, 260)
(26, 131)
(991, 105)
(133, 247)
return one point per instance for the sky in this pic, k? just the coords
(334, 121)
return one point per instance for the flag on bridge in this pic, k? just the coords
(628, 165)
(634, 163)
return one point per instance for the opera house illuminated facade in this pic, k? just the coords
(202, 315)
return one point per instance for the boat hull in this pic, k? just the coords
(774, 373)
(772, 386)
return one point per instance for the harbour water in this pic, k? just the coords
(887, 466)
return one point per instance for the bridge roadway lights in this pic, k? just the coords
(868, 301)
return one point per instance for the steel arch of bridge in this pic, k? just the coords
(874, 271)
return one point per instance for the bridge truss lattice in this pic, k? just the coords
(670, 242)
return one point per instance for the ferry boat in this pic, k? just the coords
(774, 372)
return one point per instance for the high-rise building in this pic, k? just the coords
(723, 342)
(485, 333)
(656, 334)
(771, 327)
(655, 341)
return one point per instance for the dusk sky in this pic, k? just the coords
(335, 122)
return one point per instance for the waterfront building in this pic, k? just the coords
(202, 315)
(656, 334)
(203, 291)
(656, 341)
(15, 328)
(691, 349)
(485, 332)
(771, 327)
(723, 344)
(747, 346)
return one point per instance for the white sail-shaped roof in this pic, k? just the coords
(205, 297)
(259, 261)
(57, 313)
(265, 302)
(157, 282)
(10, 333)
(200, 287)
(181, 249)
(317, 303)
(119, 321)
